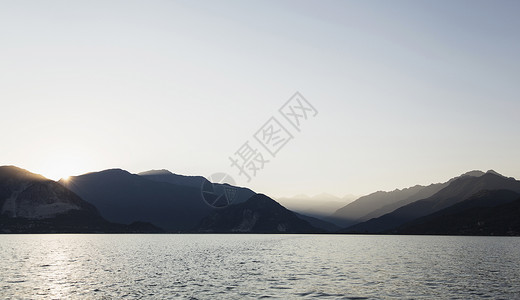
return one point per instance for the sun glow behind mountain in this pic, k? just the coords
(59, 173)
(63, 166)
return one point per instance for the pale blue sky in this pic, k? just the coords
(408, 92)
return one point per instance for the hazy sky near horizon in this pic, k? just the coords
(408, 92)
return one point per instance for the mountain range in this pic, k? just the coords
(31, 203)
(456, 190)
(122, 197)
(485, 213)
(117, 201)
(379, 203)
(482, 203)
(259, 214)
(173, 202)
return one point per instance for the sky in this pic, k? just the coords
(406, 92)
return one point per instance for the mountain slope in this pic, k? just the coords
(259, 214)
(31, 196)
(240, 194)
(170, 201)
(457, 191)
(380, 203)
(125, 198)
(167, 176)
(465, 217)
(31, 203)
(423, 193)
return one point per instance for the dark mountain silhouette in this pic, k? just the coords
(474, 203)
(143, 203)
(167, 176)
(31, 196)
(259, 214)
(170, 201)
(482, 213)
(241, 194)
(380, 203)
(457, 191)
(31, 203)
(125, 198)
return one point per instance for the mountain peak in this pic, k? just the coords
(16, 172)
(474, 173)
(494, 172)
(114, 171)
(259, 214)
(32, 196)
(155, 172)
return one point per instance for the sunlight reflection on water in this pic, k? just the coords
(254, 266)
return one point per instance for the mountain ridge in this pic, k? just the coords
(459, 218)
(31, 203)
(457, 191)
(382, 202)
(122, 197)
(259, 214)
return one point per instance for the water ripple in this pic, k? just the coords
(258, 266)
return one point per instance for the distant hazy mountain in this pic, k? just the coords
(259, 214)
(380, 203)
(485, 213)
(31, 203)
(125, 198)
(423, 193)
(320, 206)
(458, 190)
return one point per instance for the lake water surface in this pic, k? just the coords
(258, 266)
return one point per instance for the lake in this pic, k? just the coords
(258, 266)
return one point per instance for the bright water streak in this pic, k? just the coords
(258, 266)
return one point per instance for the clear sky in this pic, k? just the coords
(407, 92)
